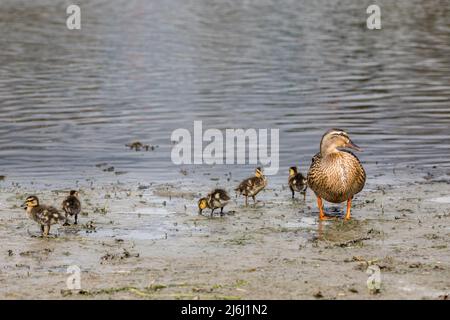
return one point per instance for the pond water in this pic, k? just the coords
(137, 70)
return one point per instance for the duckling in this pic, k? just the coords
(72, 206)
(336, 175)
(297, 182)
(216, 199)
(44, 215)
(252, 186)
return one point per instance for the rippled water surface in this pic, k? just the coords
(70, 100)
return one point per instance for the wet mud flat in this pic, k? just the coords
(148, 242)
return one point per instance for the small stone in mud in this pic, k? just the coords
(66, 293)
(90, 227)
(353, 290)
(415, 265)
(118, 256)
(109, 169)
(318, 295)
(10, 253)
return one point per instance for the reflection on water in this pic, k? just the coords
(140, 69)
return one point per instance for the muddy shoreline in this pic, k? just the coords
(146, 241)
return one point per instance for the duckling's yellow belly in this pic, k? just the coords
(337, 178)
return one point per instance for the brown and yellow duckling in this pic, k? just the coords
(336, 175)
(250, 187)
(44, 215)
(297, 182)
(72, 206)
(216, 199)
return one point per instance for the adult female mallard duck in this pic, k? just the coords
(250, 187)
(216, 199)
(44, 215)
(72, 206)
(297, 182)
(336, 175)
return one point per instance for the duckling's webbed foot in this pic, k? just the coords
(292, 190)
(221, 211)
(212, 213)
(76, 219)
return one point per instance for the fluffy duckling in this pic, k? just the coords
(72, 206)
(250, 187)
(44, 215)
(297, 182)
(336, 175)
(216, 199)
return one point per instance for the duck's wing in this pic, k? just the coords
(358, 171)
(220, 194)
(244, 185)
(49, 215)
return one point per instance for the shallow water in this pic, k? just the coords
(70, 100)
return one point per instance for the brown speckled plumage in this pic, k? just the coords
(297, 182)
(250, 187)
(336, 175)
(44, 215)
(72, 206)
(218, 198)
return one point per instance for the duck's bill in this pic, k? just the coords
(23, 205)
(353, 146)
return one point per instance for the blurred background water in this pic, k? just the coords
(139, 69)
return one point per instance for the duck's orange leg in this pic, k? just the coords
(320, 204)
(322, 215)
(349, 206)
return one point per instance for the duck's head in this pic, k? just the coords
(334, 140)
(259, 172)
(292, 171)
(73, 193)
(30, 202)
(202, 204)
